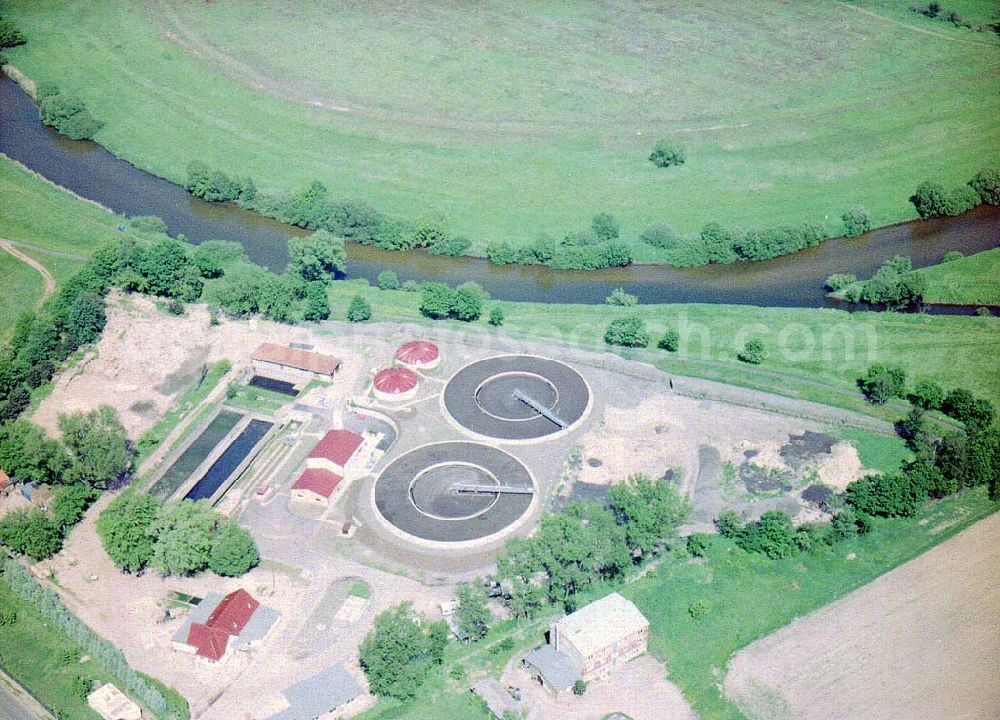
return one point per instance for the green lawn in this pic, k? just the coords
(516, 119)
(877, 452)
(972, 280)
(815, 354)
(20, 290)
(750, 596)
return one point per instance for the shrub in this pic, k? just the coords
(857, 221)
(629, 331)
(579, 687)
(8, 616)
(667, 153)
(621, 298)
(895, 285)
(670, 341)
(752, 352)
(717, 243)
(773, 535)
(986, 183)
(770, 242)
(883, 381)
(930, 199)
(453, 246)
(496, 317)
(175, 306)
(605, 226)
(729, 524)
(961, 199)
(501, 253)
(147, 224)
(68, 115)
(321, 256)
(839, 281)
(467, 302)
(963, 406)
(317, 302)
(388, 280)
(927, 394)
(885, 495)
(82, 686)
(659, 236)
(411, 286)
(359, 310)
(698, 543)
(31, 533)
(952, 256)
(10, 36)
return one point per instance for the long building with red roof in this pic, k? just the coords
(316, 485)
(335, 451)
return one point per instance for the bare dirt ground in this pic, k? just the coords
(640, 690)
(921, 642)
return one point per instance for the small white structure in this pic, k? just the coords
(112, 704)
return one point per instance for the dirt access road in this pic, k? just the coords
(921, 642)
(50, 282)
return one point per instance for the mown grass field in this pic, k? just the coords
(511, 120)
(20, 289)
(970, 280)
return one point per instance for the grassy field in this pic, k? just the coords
(749, 596)
(511, 120)
(973, 280)
(20, 290)
(812, 354)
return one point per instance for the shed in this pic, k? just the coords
(553, 669)
(335, 451)
(325, 692)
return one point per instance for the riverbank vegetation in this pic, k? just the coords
(491, 156)
(973, 280)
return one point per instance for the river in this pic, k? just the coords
(790, 281)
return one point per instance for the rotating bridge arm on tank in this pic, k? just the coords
(539, 408)
(472, 488)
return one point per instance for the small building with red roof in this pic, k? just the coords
(336, 452)
(284, 361)
(395, 384)
(316, 485)
(419, 354)
(218, 624)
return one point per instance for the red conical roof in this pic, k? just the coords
(417, 352)
(395, 380)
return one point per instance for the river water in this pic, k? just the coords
(790, 281)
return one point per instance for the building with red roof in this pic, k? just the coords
(395, 384)
(316, 485)
(271, 358)
(419, 354)
(214, 623)
(335, 452)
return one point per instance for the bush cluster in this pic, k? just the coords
(439, 301)
(931, 199)
(628, 331)
(67, 114)
(718, 244)
(182, 538)
(895, 285)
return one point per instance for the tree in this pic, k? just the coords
(321, 256)
(388, 280)
(233, 551)
(317, 301)
(431, 232)
(69, 504)
(930, 200)
(99, 449)
(359, 310)
(472, 615)
(123, 527)
(628, 331)
(28, 453)
(183, 534)
(85, 318)
(667, 153)
(30, 532)
(857, 221)
(496, 317)
(467, 302)
(893, 495)
(436, 300)
(927, 394)
(717, 244)
(670, 341)
(400, 651)
(882, 381)
(752, 352)
(579, 687)
(649, 510)
(606, 226)
(967, 408)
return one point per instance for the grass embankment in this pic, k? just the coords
(749, 596)
(50, 226)
(972, 280)
(813, 354)
(787, 116)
